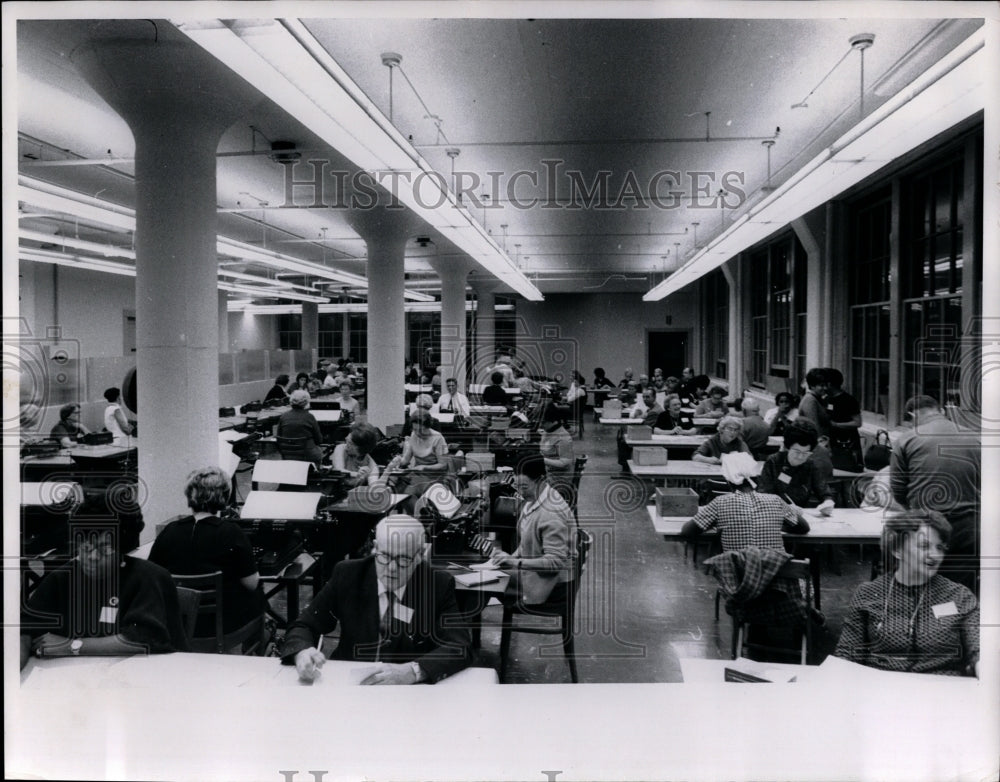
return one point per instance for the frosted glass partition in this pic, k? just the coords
(251, 365)
(282, 362)
(227, 369)
(303, 360)
(106, 372)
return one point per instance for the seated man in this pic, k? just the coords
(453, 400)
(647, 408)
(755, 431)
(715, 406)
(416, 639)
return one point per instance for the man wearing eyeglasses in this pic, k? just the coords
(393, 610)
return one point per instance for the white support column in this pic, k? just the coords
(453, 274)
(486, 327)
(817, 296)
(176, 131)
(310, 326)
(224, 322)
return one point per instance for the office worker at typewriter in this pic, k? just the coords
(300, 425)
(353, 456)
(203, 543)
(348, 404)
(103, 602)
(423, 458)
(69, 429)
(542, 563)
(392, 609)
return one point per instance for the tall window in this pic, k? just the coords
(331, 335)
(716, 308)
(868, 300)
(777, 282)
(799, 304)
(780, 300)
(358, 326)
(758, 317)
(932, 281)
(290, 332)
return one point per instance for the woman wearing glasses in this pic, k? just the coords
(726, 440)
(103, 602)
(911, 618)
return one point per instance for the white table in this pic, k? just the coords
(158, 671)
(845, 525)
(691, 441)
(681, 468)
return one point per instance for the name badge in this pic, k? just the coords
(830, 408)
(404, 613)
(944, 609)
(784, 477)
(109, 615)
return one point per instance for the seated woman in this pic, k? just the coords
(69, 429)
(726, 440)
(114, 417)
(556, 449)
(203, 543)
(279, 390)
(786, 411)
(354, 455)
(794, 475)
(746, 517)
(301, 383)
(423, 459)
(300, 426)
(910, 618)
(494, 394)
(103, 602)
(542, 563)
(715, 406)
(673, 420)
(348, 404)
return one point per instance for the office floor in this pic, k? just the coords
(642, 602)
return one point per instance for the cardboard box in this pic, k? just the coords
(612, 409)
(650, 457)
(676, 502)
(641, 433)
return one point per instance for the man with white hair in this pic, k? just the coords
(393, 610)
(755, 431)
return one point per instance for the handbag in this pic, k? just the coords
(879, 453)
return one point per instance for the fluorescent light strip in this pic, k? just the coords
(271, 294)
(107, 250)
(255, 278)
(62, 259)
(944, 95)
(360, 307)
(286, 63)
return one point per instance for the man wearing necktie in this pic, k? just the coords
(393, 609)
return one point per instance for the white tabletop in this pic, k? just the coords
(685, 440)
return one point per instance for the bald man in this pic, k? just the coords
(755, 431)
(393, 610)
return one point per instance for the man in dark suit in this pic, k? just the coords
(393, 610)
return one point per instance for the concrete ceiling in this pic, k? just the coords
(664, 112)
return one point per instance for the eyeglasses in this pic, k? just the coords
(89, 549)
(402, 561)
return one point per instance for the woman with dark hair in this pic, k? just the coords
(203, 543)
(103, 602)
(556, 449)
(301, 383)
(794, 475)
(542, 563)
(494, 394)
(353, 456)
(69, 429)
(785, 412)
(911, 618)
(423, 457)
(278, 390)
(114, 418)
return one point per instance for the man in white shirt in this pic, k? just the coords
(453, 400)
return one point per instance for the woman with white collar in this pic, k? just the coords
(542, 564)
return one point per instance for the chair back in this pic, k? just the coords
(578, 465)
(209, 589)
(799, 569)
(294, 448)
(584, 540)
(189, 601)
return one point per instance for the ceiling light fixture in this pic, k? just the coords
(107, 250)
(286, 62)
(948, 92)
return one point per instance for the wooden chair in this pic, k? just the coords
(578, 465)
(793, 569)
(563, 608)
(208, 587)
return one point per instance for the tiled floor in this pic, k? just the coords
(642, 603)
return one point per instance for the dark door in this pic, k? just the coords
(668, 351)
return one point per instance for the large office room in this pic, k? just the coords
(501, 390)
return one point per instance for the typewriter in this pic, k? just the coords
(97, 438)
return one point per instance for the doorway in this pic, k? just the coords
(668, 351)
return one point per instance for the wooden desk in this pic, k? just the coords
(196, 671)
(845, 525)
